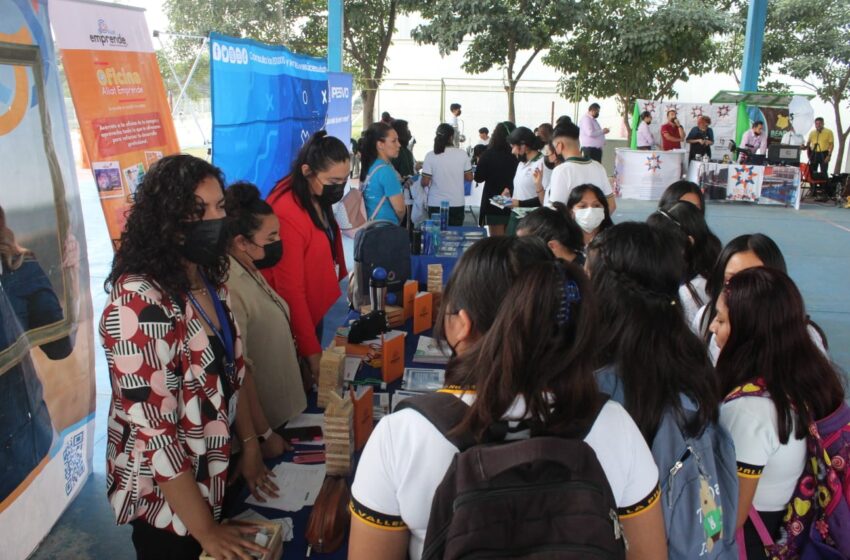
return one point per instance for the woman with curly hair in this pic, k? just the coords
(176, 367)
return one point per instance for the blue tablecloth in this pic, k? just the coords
(419, 263)
(297, 548)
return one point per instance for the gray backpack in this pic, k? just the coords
(699, 482)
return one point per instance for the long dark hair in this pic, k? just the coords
(319, 153)
(165, 203)
(11, 253)
(765, 249)
(677, 190)
(578, 193)
(554, 224)
(635, 270)
(369, 146)
(443, 138)
(499, 137)
(245, 209)
(700, 253)
(540, 348)
(768, 339)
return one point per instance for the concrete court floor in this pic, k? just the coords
(814, 240)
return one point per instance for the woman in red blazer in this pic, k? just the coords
(313, 264)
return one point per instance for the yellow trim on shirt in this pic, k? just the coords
(642, 506)
(372, 519)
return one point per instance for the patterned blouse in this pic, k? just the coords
(168, 412)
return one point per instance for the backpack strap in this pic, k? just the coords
(366, 184)
(445, 412)
(755, 388)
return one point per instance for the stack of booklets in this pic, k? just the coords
(339, 434)
(430, 351)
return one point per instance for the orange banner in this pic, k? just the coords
(118, 95)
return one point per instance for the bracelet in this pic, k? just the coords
(247, 439)
(266, 435)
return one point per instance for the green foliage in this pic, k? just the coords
(498, 31)
(632, 49)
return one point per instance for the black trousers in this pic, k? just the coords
(456, 214)
(592, 153)
(158, 544)
(819, 166)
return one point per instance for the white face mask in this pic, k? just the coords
(589, 218)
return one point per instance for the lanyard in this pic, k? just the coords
(225, 335)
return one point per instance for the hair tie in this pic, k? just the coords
(569, 294)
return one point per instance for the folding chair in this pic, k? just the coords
(815, 188)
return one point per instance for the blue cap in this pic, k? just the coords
(378, 273)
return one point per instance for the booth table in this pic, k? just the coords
(645, 174)
(777, 185)
(419, 263)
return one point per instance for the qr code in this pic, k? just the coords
(75, 465)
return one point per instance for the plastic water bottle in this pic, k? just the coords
(378, 288)
(444, 215)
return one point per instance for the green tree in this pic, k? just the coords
(638, 49)
(507, 34)
(810, 42)
(300, 25)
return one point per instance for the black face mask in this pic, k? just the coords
(549, 164)
(331, 194)
(523, 158)
(274, 252)
(205, 242)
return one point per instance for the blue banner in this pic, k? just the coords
(338, 123)
(266, 102)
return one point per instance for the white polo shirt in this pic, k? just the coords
(577, 171)
(524, 187)
(406, 458)
(446, 171)
(752, 423)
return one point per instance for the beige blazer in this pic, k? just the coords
(268, 346)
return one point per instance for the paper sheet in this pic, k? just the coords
(299, 485)
(306, 421)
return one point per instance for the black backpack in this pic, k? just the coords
(543, 497)
(384, 244)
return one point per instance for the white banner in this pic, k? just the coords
(723, 120)
(645, 174)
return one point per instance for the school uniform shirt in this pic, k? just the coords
(446, 171)
(171, 410)
(714, 349)
(269, 349)
(524, 187)
(406, 458)
(690, 304)
(577, 171)
(383, 182)
(752, 422)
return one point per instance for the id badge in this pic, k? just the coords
(231, 409)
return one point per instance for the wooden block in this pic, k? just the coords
(331, 366)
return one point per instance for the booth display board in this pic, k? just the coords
(47, 393)
(119, 97)
(338, 121)
(760, 184)
(645, 174)
(266, 103)
(723, 116)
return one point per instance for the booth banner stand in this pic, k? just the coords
(47, 393)
(723, 116)
(338, 122)
(266, 103)
(645, 174)
(119, 97)
(763, 185)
